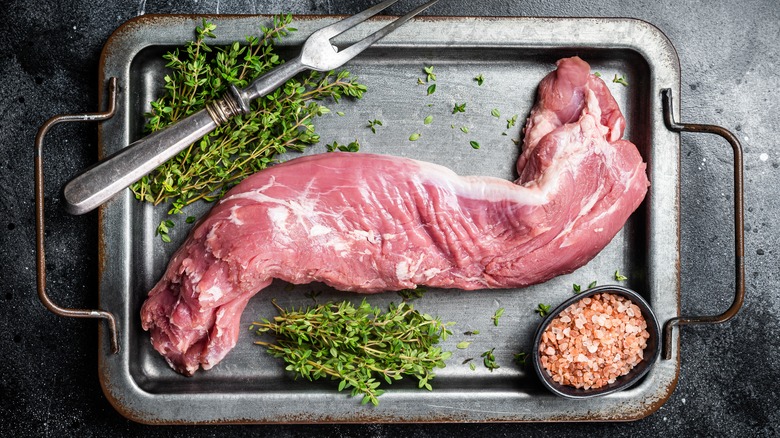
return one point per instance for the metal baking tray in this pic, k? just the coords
(512, 54)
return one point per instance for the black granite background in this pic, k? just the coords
(729, 376)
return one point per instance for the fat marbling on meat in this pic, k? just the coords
(370, 223)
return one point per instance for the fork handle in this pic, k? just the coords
(102, 181)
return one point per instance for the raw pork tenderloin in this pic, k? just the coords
(370, 223)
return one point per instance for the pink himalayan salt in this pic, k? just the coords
(594, 341)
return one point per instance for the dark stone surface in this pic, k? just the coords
(729, 56)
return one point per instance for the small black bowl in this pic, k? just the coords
(651, 352)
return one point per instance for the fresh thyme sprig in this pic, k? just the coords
(277, 123)
(359, 346)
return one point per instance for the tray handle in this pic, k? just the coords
(39, 224)
(739, 227)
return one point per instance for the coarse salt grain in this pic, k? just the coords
(598, 339)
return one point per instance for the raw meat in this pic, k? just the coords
(371, 223)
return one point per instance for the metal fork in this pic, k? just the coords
(99, 183)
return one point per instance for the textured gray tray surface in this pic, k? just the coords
(251, 386)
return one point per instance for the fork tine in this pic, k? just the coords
(353, 50)
(350, 22)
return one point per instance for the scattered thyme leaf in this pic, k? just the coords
(619, 276)
(471, 332)
(464, 129)
(542, 309)
(190, 219)
(495, 113)
(597, 74)
(620, 80)
(351, 147)
(459, 108)
(521, 358)
(340, 113)
(472, 366)
(577, 288)
(431, 89)
(429, 75)
(428, 120)
(463, 345)
(412, 294)
(465, 361)
(496, 316)
(373, 124)
(359, 346)
(592, 284)
(480, 79)
(511, 122)
(474, 144)
(414, 137)
(490, 360)
(420, 82)
(163, 229)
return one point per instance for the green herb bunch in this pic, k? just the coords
(359, 346)
(277, 123)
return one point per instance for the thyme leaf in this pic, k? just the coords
(163, 228)
(497, 315)
(489, 360)
(521, 358)
(351, 147)
(429, 74)
(412, 294)
(373, 124)
(542, 309)
(620, 80)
